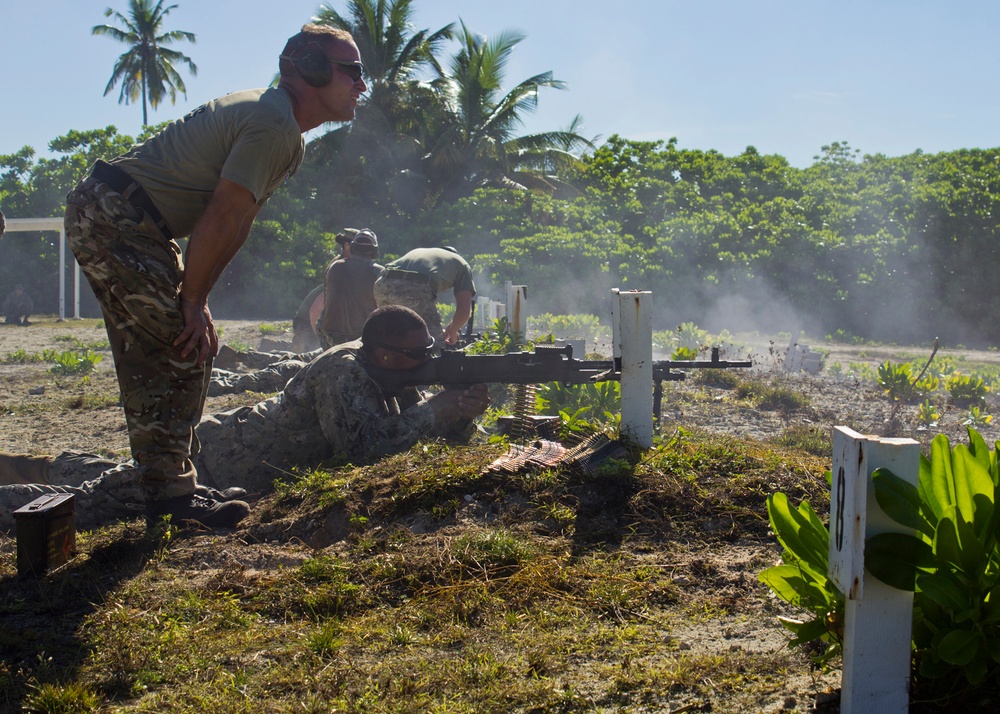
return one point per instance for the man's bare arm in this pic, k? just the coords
(463, 311)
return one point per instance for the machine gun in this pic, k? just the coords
(545, 364)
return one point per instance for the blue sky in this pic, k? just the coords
(786, 76)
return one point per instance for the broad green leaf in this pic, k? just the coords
(936, 479)
(955, 542)
(896, 558)
(810, 630)
(784, 580)
(900, 500)
(795, 530)
(979, 450)
(945, 590)
(959, 647)
(971, 479)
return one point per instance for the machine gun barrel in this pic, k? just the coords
(544, 364)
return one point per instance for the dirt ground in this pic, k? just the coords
(41, 412)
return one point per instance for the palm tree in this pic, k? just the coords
(382, 158)
(393, 57)
(147, 68)
(478, 144)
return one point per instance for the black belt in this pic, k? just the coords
(130, 189)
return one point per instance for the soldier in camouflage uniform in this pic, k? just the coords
(330, 410)
(17, 306)
(416, 279)
(269, 379)
(205, 176)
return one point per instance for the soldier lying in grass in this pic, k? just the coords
(330, 410)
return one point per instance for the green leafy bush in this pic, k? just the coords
(569, 327)
(927, 413)
(801, 578)
(896, 380)
(71, 362)
(966, 389)
(952, 561)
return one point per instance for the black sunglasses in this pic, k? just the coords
(418, 354)
(354, 70)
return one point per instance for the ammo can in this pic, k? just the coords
(46, 533)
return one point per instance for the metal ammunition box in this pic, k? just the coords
(46, 533)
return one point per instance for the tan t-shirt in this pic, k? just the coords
(250, 138)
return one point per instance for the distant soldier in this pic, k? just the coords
(331, 409)
(348, 288)
(415, 279)
(17, 306)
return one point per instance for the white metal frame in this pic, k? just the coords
(15, 225)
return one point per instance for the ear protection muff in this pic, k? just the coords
(311, 64)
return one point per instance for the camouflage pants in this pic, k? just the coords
(136, 275)
(103, 491)
(269, 379)
(412, 294)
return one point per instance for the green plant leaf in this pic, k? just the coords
(936, 478)
(980, 451)
(972, 479)
(955, 542)
(959, 647)
(901, 501)
(897, 558)
(796, 531)
(945, 590)
(810, 630)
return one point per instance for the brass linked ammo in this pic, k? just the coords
(46, 533)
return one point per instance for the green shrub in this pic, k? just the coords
(966, 390)
(801, 577)
(952, 561)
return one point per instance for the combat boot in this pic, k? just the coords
(207, 511)
(233, 493)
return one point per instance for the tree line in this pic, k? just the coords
(890, 248)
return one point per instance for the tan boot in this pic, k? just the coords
(24, 468)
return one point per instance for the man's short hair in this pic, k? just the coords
(324, 35)
(387, 324)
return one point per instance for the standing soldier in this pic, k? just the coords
(205, 177)
(348, 290)
(415, 279)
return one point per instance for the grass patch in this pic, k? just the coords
(771, 395)
(419, 584)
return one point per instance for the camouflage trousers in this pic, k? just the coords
(415, 295)
(269, 379)
(103, 491)
(136, 275)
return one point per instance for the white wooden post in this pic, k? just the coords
(878, 617)
(632, 321)
(517, 308)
